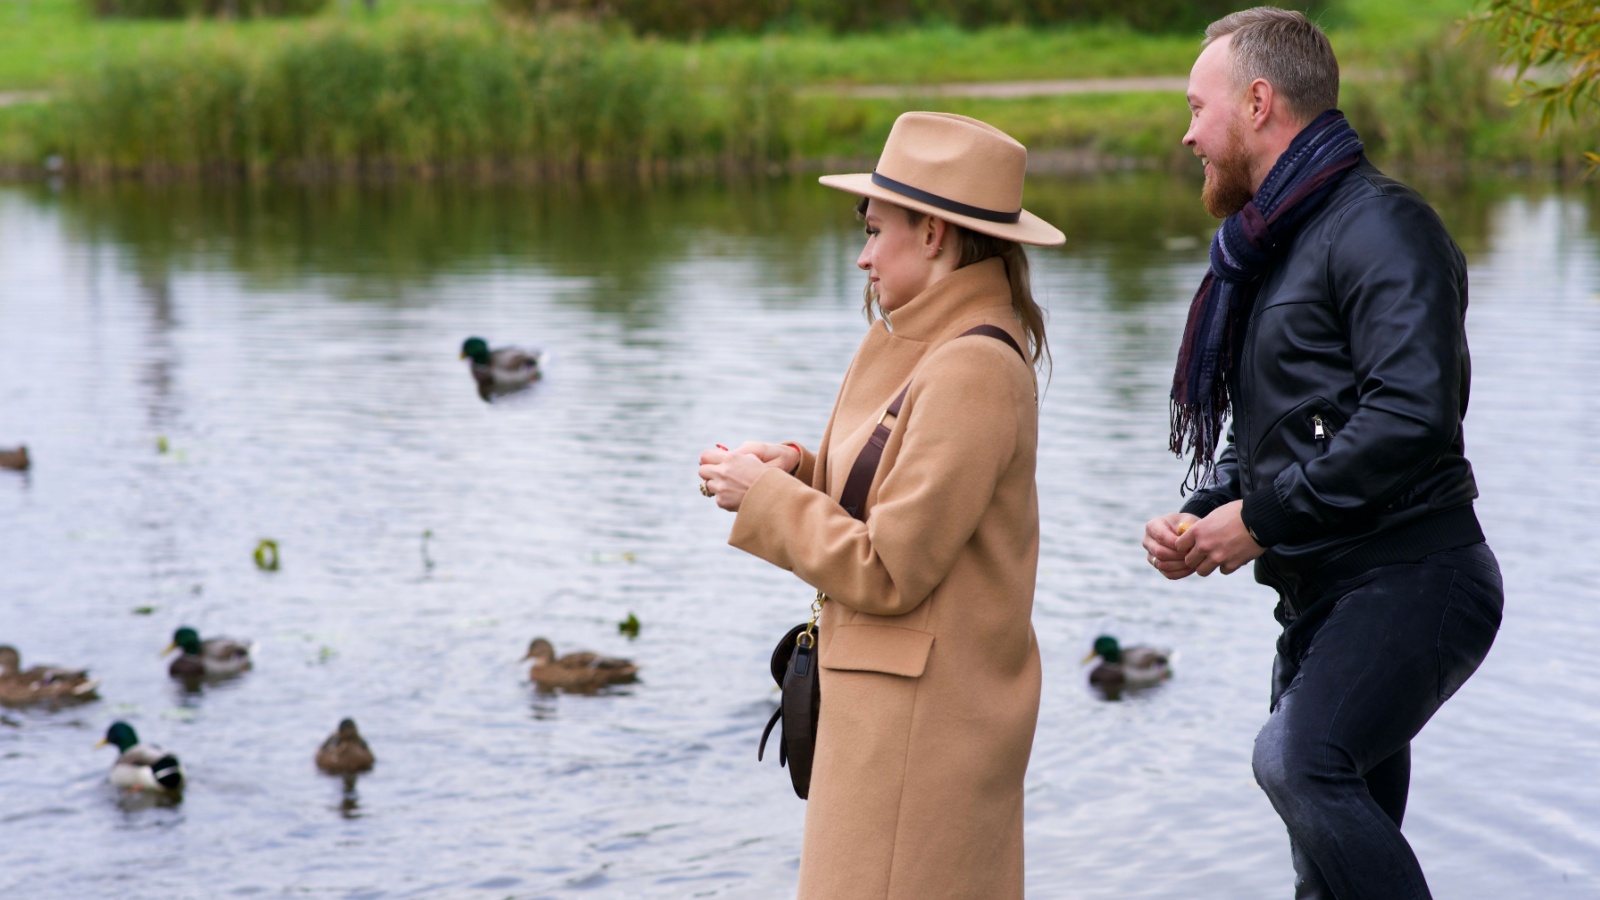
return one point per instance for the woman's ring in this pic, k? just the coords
(705, 491)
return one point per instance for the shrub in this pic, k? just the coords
(1436, 104)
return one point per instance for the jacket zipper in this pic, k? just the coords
(1318, 430)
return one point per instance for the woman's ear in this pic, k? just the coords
(934, 230)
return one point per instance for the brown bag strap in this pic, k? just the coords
(995, 331)
(866, 464)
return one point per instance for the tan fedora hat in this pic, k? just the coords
(959, 169)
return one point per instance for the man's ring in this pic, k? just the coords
(705, 491)
(1152, 560)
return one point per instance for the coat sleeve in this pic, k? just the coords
(807, 467)
(1223, 486)
(1399, 283)
(959, 430)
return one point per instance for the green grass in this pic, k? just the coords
(43, 43)
(436, 85)
(1058, 131)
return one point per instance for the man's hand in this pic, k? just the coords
(1161, 544)
(1218, 542)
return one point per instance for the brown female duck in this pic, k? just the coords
(345, 752)
(15, 458)
(41, 684)
(580, 672)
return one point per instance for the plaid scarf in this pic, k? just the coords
(1242, 252)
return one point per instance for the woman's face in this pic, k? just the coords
(899, 256)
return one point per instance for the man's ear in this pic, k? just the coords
(1262, 103)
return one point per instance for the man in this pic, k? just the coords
(1330, 331)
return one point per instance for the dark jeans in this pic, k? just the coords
(1360, 669)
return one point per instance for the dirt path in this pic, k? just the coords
(12, 98)
(996, 89)
(1010, 89)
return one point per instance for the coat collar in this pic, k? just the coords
(969, 292)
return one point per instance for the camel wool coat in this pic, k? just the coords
(929, 666)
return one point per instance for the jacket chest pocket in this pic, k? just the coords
(877, 648)
(1299, 436)
(1322, 429)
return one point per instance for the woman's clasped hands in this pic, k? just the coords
(725, 475)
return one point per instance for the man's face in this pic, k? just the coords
(1217, 119)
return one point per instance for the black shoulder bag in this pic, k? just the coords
(795, 658)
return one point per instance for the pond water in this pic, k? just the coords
(295, 350)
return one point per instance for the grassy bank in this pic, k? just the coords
(425, 95)
(445, 86)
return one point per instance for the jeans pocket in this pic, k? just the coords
(1471, 619)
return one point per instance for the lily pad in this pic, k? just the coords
(267, 555)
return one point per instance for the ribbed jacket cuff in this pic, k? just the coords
(1266, 517)
(1201, 503)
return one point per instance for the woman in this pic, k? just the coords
(929, 666)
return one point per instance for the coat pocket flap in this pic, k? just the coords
(877, 648)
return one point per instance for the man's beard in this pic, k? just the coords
(1227, 188)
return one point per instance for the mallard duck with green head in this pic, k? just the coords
(141, 767)
(345, 752)
(502, 369)
(580, 672)
(41, 684)
(216, 657)
(1126, 667)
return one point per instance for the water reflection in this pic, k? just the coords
(543, 704)
(132, 803)
(386, 243)
(297, 347)
(389, 240)
(349, 798)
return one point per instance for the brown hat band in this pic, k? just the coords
(944, 203)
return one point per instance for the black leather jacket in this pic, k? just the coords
(1346, 440)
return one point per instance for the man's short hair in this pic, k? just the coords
(1287, 50)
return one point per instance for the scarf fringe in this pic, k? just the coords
(1197, 431)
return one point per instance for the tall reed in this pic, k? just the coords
(429, 95)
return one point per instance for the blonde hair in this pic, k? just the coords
(1285, 49)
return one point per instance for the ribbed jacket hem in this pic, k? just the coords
(1456, 527)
